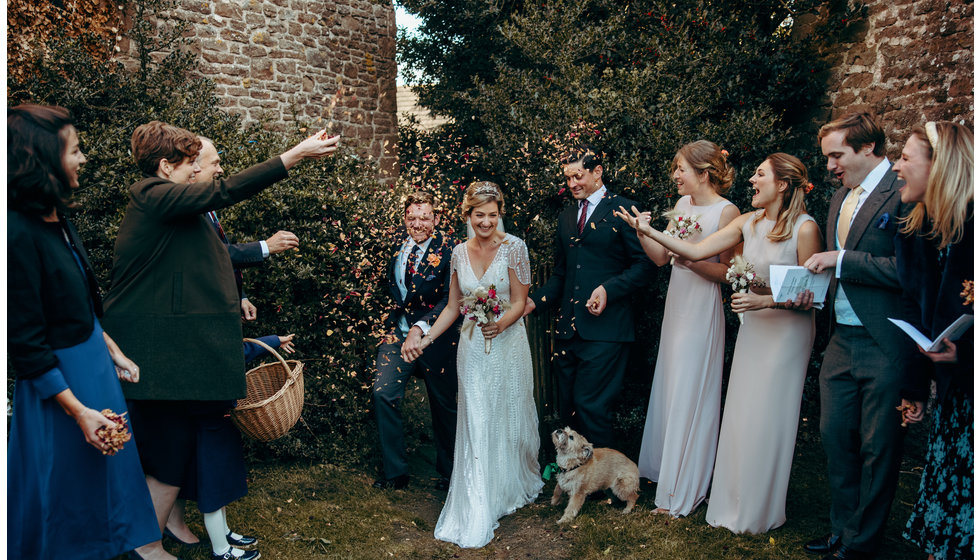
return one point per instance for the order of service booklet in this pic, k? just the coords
(788, 281)
(952, 332)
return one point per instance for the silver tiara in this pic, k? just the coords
(486, 187)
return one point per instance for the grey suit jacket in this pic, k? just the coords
(868, 270)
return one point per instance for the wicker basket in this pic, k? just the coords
(273, 398)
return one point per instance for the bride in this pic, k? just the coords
(495, 462)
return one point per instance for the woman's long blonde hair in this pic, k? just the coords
(788, 169)
(949, 189)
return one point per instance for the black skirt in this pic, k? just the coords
(192, 445)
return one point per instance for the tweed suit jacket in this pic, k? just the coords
(868, 271)
(607, 253)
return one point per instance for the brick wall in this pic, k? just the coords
(285, 60)
(913, 62)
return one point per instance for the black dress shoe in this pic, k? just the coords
(845, 553)
(442, 484)
(241, 541)
(822, 545)
(397, 483)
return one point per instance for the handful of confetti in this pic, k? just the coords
(113, 437)
(681, 225)
(902, 410)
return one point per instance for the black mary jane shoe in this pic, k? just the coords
(169, 535)
(822, 545)
(244, 541)
(396, 483)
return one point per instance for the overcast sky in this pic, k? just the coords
(406, 21)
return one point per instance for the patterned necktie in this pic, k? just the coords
(410, 266)
(217, 225)
(846, 213)
(581, 218)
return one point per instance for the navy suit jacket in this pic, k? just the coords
(429, 293)
(607, 253)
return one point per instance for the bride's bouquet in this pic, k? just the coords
(480, 307)
(113, 437)
(681, 225)
(741, 275)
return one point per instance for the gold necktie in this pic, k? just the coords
(846, 212)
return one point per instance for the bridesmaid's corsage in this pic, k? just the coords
(741, 275)
(113, 437)
(967, 293)
(479, 307)
(681, 225)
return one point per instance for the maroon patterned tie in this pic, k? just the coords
(410, 266)
(581, 218)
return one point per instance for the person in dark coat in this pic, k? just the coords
(66, 497)
(935, 260)
(599, 263)
(171, 274)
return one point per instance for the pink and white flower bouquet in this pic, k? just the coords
(681, 225)
(479, 308)
(742, 276)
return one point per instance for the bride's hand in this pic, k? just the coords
(490, 330)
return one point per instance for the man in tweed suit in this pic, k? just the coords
(865, 361)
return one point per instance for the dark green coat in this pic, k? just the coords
(173, 306)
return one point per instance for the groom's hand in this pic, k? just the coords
(412, 348)
(597, 301)
(529, 306)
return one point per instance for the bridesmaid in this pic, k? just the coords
(681, 431)
(758, 430)
(935, 257)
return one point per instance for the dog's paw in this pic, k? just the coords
(565, 519)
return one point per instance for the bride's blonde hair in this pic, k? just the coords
(480, 193)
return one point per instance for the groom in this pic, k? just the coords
(419, 274)
(598, 263)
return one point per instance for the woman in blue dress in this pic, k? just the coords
(934, 257)
(66, 497)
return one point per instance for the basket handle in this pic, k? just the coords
(272, 351)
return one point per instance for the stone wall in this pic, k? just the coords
(912, 62)
(286, 60)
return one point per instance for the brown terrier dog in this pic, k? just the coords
(584, 470)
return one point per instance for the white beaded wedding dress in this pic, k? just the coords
(495, 462)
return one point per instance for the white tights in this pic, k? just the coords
(216, 524)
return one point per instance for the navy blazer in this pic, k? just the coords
(429, 293)
(51, 302)
(932, 282)
(607, 253)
